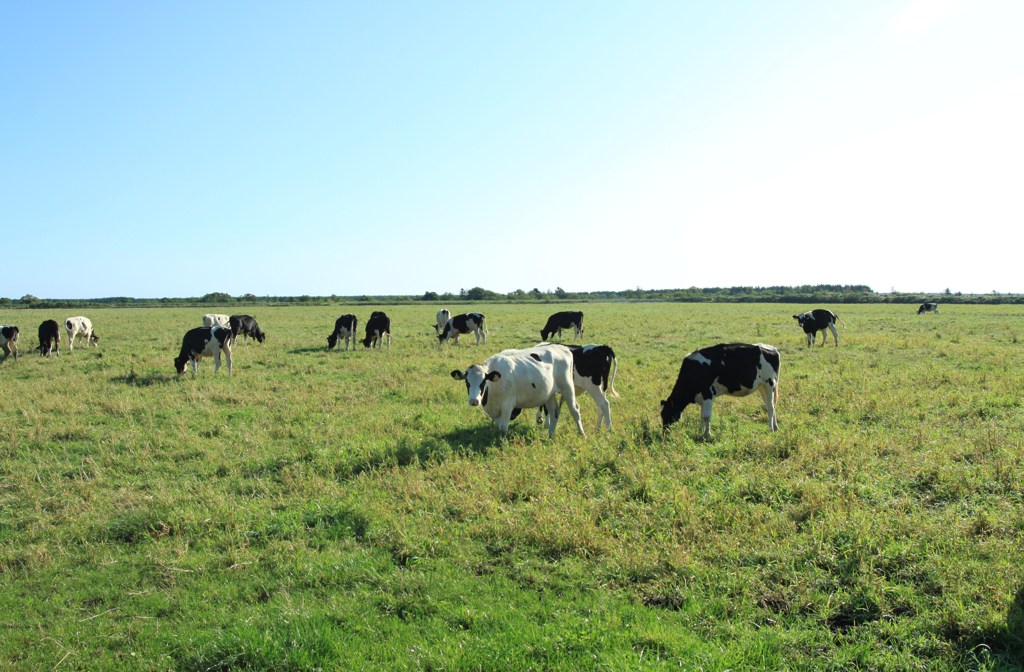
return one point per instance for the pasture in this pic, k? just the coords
(349, 510)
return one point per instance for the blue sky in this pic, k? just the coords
(176, 149)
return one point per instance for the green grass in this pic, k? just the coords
(350, 511)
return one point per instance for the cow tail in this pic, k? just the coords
(611, 379)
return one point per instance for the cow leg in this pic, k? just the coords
(769, 391)
(227, 356)
(835, 334)
(554, 409)
(705, 418)
(810, 339)
(195, 366)
(71, 342)
(604, 410)
(569, 396)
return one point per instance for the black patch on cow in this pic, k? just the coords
(9, 332)
(593, 362)
(568, 319)
(515, 414)
(535, 356)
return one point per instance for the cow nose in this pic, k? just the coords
(474, 402)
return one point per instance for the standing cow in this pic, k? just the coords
(518, 379)
(441, 319)
(736, 369)
(378, 327)
(204, 342)
(817, 320)
(9, 340)
(216, 320)
(928, 308)
(467, 323)
(565, 320)
(246, 326)
(344, 328)
(49, 338)
(80, 326)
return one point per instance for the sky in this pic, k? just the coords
(339, 148)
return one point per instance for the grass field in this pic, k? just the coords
(349, 510)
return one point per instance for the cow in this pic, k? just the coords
(565, 320)
(928, 308)
(204, 342)
(246, 326)
(465, 323)
(441, 319)
(344, 327)
(377, 328)
(735, 369)
(817, 320)
(593, 372)
(216, 320)
(9, 340)
(49, 338)
(80, 326)
(518, 379)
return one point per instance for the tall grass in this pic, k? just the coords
(349, 510)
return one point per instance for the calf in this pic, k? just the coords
(441, 319)
(564, 320)
(377, 328)
(928, 308)
(517, 379)
(246, 326)
(9, 340)
(734, 369)
(463, 324)
(593, 372)
(344, 327)
(216, 320)
(80, 326)
(817, 320)
(49, 338)
(204, 342)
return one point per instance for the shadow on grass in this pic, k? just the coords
(135, 380)
(312, 351)
(1003, 645)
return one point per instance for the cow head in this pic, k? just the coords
(671, 411)
(443, 334)
(179, 364)
(476, 378)
(332, 341)
(95, 339)
(259, 335)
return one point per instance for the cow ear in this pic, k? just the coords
(458, 375)
(493, 376)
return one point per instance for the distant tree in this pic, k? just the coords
(248, 297)
(29, 299)
(430, 296)
(561, 293)
(480, 294)
(217, 297)
(536, 293)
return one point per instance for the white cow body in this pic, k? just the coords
(216, 320)
(80, 326)
(441, 319)
(521, 379)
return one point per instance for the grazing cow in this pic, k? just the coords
(928, 308)
(344, 327)
(593, 372)
(377, 328)
(9, 340)
(216, 320)
(817, 320)
(246, 326)
(517, 379)
(80, 326)
(465, 323)
(565, 320)
(49, 338)
(441, 319)
(732, 369)
(204, 342)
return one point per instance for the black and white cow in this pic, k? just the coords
(204, 342)
(441, 319)
(518, 379)
(817, 320)
(9, 340)
(736, 369)
(80, 326)
(377, 329)
(246, 326)
(49, 338)
(344, 328)
(928, 308)
(565, 320)
(216, 320)
(465, 323)
(593, 372)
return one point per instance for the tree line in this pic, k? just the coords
(803, 294)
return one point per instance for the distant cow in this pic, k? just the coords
(216, 320)
(593, 372)
(518, 379)
(344, 327)
(204, 342)
(565, 320)
(9, 340)
(246, 326)
(817, 320)
(928, 308)
(49, 338)
(441, 319)
(377, 329)
(467, 323)
(80, 326)
(731, 369)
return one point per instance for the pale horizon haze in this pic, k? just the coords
(177, 149)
